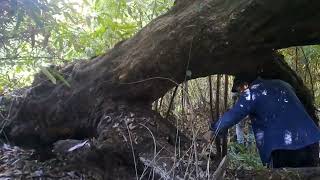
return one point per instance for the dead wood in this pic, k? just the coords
(208, 37)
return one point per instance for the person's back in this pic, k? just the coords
(280, 120)
(280, 123)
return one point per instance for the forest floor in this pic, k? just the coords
(18, 163)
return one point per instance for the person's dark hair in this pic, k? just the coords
(242, 79)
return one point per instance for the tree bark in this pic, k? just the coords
(208, 37)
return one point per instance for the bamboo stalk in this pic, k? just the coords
(218, 139)
(225, 137)
(171, 101)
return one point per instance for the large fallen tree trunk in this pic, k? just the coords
(202, 37)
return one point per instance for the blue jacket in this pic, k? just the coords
(278, 118)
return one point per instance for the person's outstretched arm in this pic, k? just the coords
(243, 107)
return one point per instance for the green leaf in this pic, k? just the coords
(66, 14)
(48, 74)
(86, 3)
(18, 69)
(33, 41)
(46, 40)
(19, 19)
(61, 78)
(130, 12)
(88, 20)
(36, 19)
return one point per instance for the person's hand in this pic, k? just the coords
(208, 136)
(216, 130)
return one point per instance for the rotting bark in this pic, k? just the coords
(212, 36)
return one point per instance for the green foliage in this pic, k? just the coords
(49, 75)
(243, 157)
(54, 75)
(306, 62)
(35, 34)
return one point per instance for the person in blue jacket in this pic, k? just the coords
(284, 132)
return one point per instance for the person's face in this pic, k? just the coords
(242, 87)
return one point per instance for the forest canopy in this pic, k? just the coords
(35, 34)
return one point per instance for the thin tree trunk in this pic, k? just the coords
(186, 98)
(296, 60)
(171, 101)
(203, 99)
(225, 138)
(308, 70)
(182, 101)
(211, 98)
(217, 106)
(161, 101)
(156, 105)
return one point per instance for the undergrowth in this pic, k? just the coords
(244, 157)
